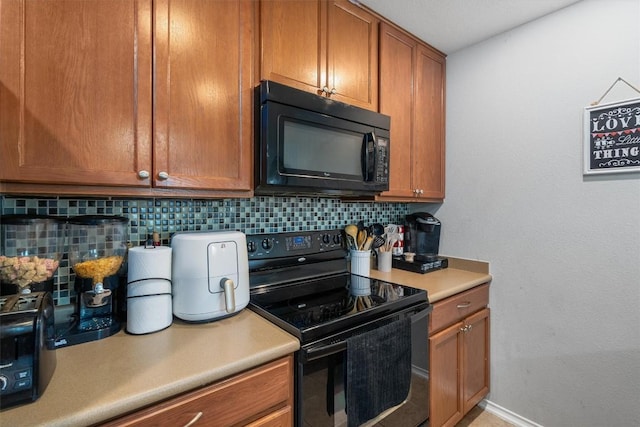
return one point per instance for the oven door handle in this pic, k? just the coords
(319, 352)
(421, 314)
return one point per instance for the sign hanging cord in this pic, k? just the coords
(611, 87)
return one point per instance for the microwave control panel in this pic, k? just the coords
(382, 160)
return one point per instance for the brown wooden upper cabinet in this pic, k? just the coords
(325, 47)
(412, 82)
(126, 95)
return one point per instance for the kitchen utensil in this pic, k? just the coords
(367, 243)
(351, 231)
(362, 237)
(376, 229)
(210, 275)
(378, 242)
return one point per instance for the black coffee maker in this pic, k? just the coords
(422, 236)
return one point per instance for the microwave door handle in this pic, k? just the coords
(368, 156)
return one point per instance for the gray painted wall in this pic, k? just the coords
(564, 249)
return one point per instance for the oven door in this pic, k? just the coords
(321, 377)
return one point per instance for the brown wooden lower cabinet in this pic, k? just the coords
(261, 397)
(458, 355)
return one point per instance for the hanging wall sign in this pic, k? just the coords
(612, 137)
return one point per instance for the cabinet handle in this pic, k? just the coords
(143, 174)
(420, 191)
(465, 304)
(464, 328)
(163, 175)
(194, 420)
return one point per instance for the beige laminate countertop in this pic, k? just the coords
(99, 380)
(462, 274)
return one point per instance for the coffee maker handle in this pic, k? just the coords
(424, 217)
(229, 294)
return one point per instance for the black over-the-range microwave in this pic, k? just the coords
(309, 144)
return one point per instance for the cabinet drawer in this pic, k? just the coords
(457, 307)
(281, 418)
(237, 400)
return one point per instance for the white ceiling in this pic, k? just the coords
(450, 25)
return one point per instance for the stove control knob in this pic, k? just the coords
(266, 244)
(326, 239)
(337, 239)
(251, 246)
(3, 382)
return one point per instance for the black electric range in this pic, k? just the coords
(300, 281)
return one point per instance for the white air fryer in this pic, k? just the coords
(210, 275)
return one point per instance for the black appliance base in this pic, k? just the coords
(73, 336)
(419, 266)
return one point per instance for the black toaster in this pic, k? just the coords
(27, 355)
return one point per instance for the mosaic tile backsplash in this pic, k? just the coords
(168, 216)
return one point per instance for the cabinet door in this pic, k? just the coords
(352, 55)
(327, 47)
(475, 359)
(445, 375)
(412, 93)
(204, 94)
(397, 58)
(293, 43)
(75, 91)
(429, 144)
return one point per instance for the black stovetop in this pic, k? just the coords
(300, 282)
(316, 308)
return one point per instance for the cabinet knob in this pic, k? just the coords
(333, 91)
(143, 174)
(163, 175)
(325, 89)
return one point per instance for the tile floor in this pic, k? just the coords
(480, 418)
